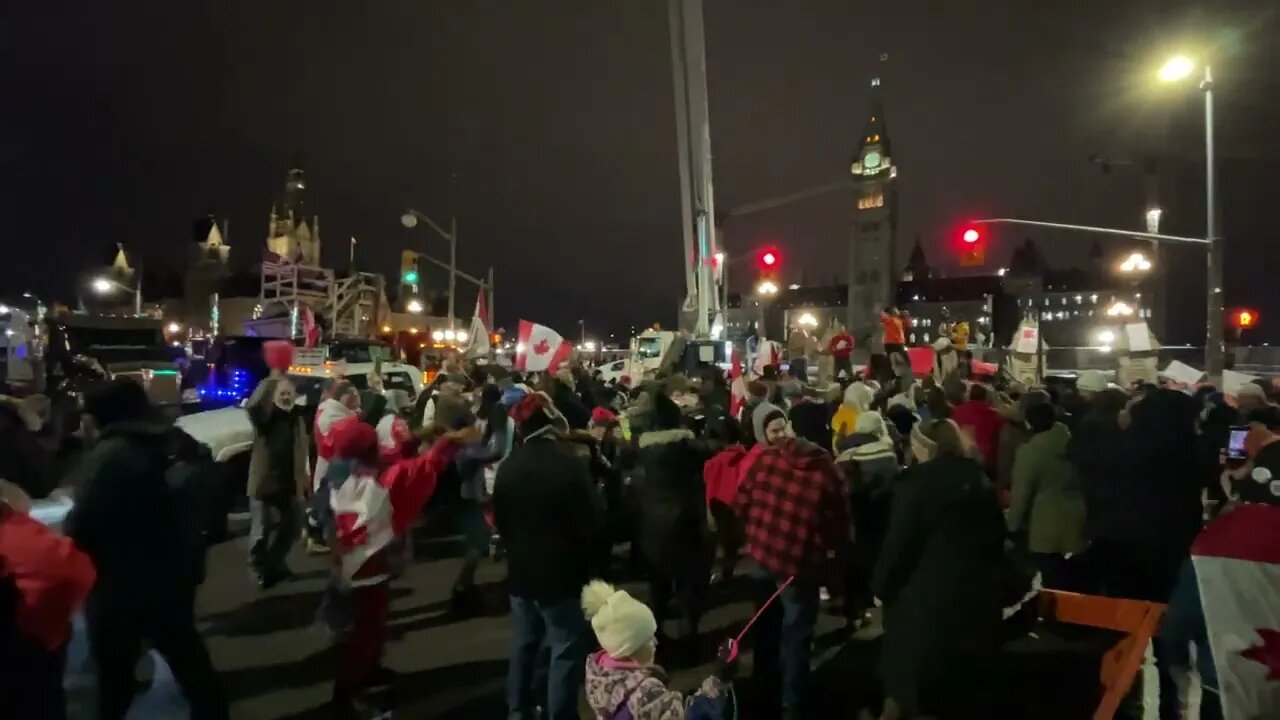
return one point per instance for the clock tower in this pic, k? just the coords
(873, 272)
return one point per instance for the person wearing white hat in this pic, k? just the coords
(622, 680)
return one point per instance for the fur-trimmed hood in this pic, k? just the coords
(665, 437)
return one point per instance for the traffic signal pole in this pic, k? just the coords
(1215, 343)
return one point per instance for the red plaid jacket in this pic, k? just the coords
(795, 508)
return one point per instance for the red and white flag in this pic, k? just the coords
(1237, 564)
(479, 329)
(539, 348)
(372, 508)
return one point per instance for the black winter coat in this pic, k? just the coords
(673, 528)
(939, 577)
(141, 533)
(544, 505)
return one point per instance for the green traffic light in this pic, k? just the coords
(411, 277)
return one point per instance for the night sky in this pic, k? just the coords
(547, 127)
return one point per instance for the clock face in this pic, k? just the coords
(871, 160)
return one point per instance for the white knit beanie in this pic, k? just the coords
(623, 624)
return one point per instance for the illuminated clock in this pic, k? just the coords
(871, 160)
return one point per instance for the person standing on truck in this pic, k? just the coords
(277, 477)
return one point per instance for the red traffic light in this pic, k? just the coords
(971, 236)
(1245, 319)
(768, 258)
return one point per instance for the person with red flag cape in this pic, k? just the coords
(372, 508)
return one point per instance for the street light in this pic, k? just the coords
(104, 285)
(1178, 67)
(1120, 309)
(1175, 69)
(1135, 263)
(173, 328)
(767, 287)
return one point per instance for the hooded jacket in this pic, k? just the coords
(613, 684)
(870, 466)
(673, 498)
(794, 506)
(857, 399)
(1046, 500)
(330, 413)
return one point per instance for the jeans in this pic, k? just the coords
(116, 638)
(564, 629)
(274, 525)
(784, 632)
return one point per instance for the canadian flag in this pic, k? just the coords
(1237, 565)
(372, 508)
(539, 348)
(479, 329)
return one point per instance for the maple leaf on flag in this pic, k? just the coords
(1267, 653)
(542, 347)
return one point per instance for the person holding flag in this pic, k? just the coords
(1224, 602)
(540, 349)
(372, 508)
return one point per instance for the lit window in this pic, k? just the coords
(868, 202)
(1093, 299)
(926, 337)
(1064, 300)
(913, 337)
(1079, 299)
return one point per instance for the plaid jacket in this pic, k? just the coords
(794, 506)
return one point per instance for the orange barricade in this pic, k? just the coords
(1122, 663)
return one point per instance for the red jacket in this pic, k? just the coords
(841, 345)
(794, 506)
(53, 578)
(721, 474)
(982, 422)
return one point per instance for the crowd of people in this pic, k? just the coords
(922, 510)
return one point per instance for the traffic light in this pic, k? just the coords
(769, 259)
(1244, 319)
(973, 248)
(769, 262)
(409, 267)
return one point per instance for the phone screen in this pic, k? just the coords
(1235, 443)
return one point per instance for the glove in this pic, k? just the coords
(726, 666)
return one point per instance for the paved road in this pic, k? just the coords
(274, 662)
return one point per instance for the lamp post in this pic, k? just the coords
(103, 285)
(1175, 69)
(410, 219)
